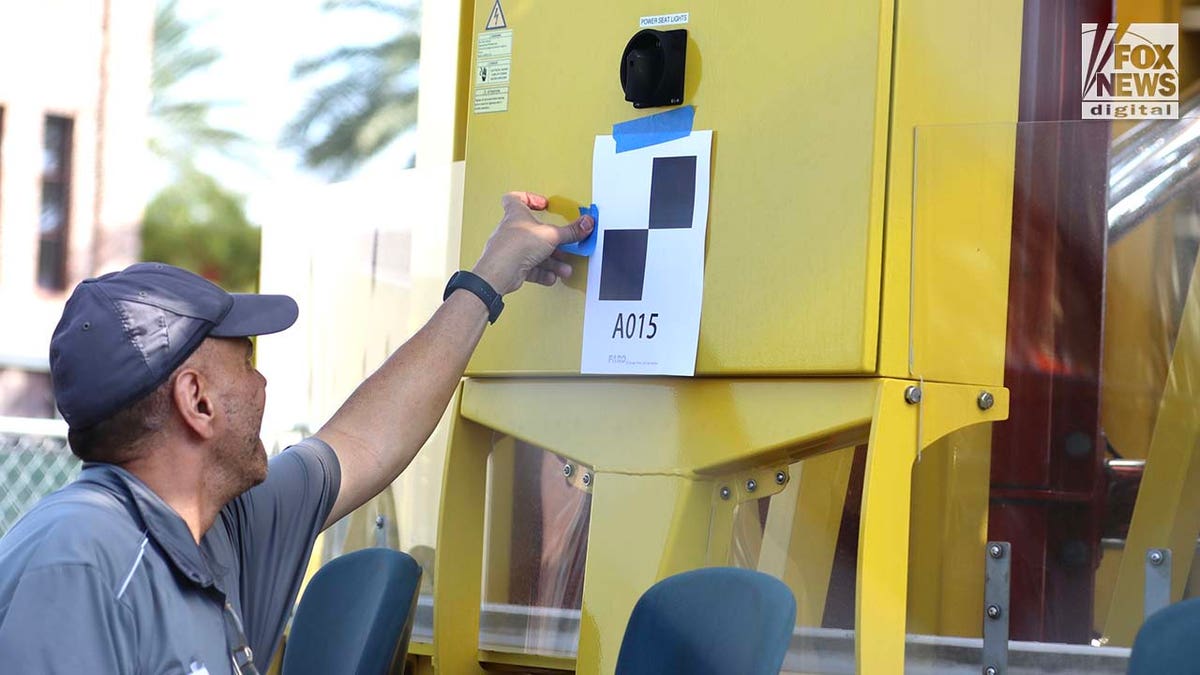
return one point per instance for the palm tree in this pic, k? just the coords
(193, 221)
(369, 97)
(179, 124)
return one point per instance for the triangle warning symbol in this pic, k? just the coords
(496, 18)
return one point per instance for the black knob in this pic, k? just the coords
(652, 68)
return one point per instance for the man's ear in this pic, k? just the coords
(193, 400)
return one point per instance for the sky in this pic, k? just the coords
(259, 42)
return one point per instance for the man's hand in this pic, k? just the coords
(524, 248)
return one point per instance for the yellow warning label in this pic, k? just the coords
(496, 18)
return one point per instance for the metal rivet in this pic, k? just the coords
(587, 478)
(751, 485)
(912, 395)
(996, 551)
(986, 400)
(991, 670)
(1156, 557)
(780, 478)
(87, 325)
(725, 493)
(993, 611)
(568, 470)
(141, 294)
(379, 522)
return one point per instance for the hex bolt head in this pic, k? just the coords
(1155, 557)
(996, 551)
(568, 470)
(986, 400)
(725, 492)
(912, 395)
(780, 478)
(751, 485)
(991, 670)
(994, 612)
(587, 479)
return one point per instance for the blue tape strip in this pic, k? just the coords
(654, 129)
(587, 246)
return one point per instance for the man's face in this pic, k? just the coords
(242, 392)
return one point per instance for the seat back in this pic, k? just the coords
(713, 620)
(1166, 643)
(355, 616)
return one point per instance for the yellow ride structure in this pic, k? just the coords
(857, 345)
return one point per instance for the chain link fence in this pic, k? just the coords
(33, 463)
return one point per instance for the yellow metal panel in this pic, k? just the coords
(675, 425)
(457, 592)
(1167, 512)
(796, 95)
(954, 63)
(883, 544)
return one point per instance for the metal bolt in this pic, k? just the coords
(725, 492)
(587, 479)
(993, 611)
(568, 470)
(751, 485)
(379, 522)
(996, 551)
(991, 670)
(912, 394)
(986, 400)
(1156, 557)
(780, 478)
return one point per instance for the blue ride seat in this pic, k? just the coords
(717, 620)
(356, 615)
(1167, 642)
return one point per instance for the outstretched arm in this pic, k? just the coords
(380, 428)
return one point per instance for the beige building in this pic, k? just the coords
(74, 95)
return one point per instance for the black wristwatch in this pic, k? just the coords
(469, 281)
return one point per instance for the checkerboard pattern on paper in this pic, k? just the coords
(672, 205)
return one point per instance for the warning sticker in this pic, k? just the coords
(491, 99)
(492, 72)
(496, 18)
(495, 45)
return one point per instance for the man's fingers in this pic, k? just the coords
(541, 276)
(557, 267)
(578, 230)
(530, 200)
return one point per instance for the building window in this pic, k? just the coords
(56, 200)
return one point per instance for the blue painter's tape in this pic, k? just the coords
(587, 246)
(655, 129)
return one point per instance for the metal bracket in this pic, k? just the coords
(579, 476)
(997, 566)
(752, 485)
(1158, 581)
(381, 531)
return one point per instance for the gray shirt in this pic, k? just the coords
(103, 577)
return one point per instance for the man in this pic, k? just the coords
(163, 557)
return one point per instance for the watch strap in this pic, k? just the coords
(469, 281)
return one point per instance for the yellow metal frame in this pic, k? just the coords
(911, 290)
(657, 506)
